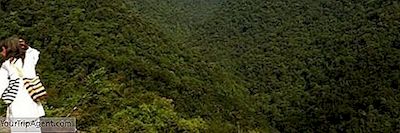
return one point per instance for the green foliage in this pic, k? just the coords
(312, 66)
(216, 65)
(150, 113)
(156, 116)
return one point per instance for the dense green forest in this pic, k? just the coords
(216, 65)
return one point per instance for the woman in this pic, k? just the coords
(19, 62)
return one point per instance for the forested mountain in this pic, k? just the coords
(216, 65)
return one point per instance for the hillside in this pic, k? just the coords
(216, 66)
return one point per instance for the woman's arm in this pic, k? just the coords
(31, 59)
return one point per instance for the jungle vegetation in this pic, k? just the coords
(216, 65)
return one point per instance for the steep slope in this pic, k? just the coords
(102, 63)
(313, 66)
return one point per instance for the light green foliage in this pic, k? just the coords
(147, 112)
(156, 116)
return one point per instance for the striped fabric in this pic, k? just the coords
(32, 85)
(35, 88)
(11, 91)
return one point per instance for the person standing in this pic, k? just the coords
(30, 61)
(19, 61)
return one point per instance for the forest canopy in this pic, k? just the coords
(215, 65)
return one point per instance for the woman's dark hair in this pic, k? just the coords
(26, 44)
(13, 48)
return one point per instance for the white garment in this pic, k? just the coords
(23, 106)
(31, 59)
